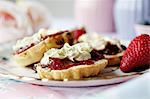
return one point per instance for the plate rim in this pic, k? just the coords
(73, 83)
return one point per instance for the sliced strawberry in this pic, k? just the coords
(78, 32)
(137, 54)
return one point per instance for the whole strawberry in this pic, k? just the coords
(137, 54)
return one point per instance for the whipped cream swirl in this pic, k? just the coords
(79, 52)
(98, 42)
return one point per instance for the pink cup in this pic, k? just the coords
(96, 15)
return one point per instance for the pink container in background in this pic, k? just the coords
(96, 15)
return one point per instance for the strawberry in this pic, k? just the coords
(78, 32)
(137, 54)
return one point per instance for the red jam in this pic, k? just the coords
(60, 64)
(22, 49)
(78, 32)
(96, 55)
(112, 49)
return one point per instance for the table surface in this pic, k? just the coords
(11, 89)
(19, 90)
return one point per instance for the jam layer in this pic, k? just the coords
(111, 49)
(60, 64)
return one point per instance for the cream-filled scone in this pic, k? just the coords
(112, 49)
(31, 49)
(71, 62)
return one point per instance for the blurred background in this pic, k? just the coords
(60, 8)
(123, 18)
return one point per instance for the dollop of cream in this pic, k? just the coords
(98, 42)
(79, 52)
(36, 38)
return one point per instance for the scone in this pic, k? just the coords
(112, 49)
(71, 62)
(31, 49)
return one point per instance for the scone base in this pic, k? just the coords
(73, 73)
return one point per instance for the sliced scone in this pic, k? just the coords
(112, 49)
(31, 49)
(71, 62)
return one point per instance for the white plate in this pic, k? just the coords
(8, 69)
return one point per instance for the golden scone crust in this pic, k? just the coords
(32, 55)
(114, 59)
(35, 53)
(74, 73)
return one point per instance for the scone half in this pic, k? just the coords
(111, 48)
(71, 62)
(75, 73)
(34, 50)
(31, 55)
